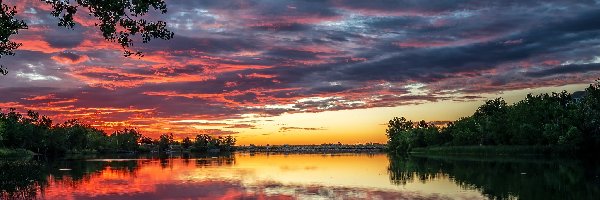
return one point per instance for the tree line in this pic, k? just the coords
(557, 119)
(38, 134)
(201, 143)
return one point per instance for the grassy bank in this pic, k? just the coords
(493, 150)
(15, 153)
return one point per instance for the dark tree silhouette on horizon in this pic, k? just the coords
(118, 20)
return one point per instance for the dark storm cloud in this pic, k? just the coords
(15, 94)
(292, 54)
(416, 6)
(170, 70)
(265, 8)
(433, 64)
(209, 45)
(432, 7)
(565, 69)
(248, 97)
(282, 27)
(110, 76)
(64, 37)
(398, 22)
(330, 89)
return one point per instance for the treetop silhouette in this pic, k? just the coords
(118, 20)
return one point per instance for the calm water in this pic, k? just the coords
(300, 176)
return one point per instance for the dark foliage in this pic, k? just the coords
(204, 142)
(556, 119)
(37, 133)
(9, 26)
(503, 177)
(118, 20)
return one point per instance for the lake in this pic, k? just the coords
(300, 176)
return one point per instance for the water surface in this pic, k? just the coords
(299, 176)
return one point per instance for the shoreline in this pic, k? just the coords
(500, 150)
(324, 148)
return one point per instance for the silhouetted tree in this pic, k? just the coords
(9, 26)
(164, 141)
(204, 142)
(228, 142)
(146, 140)
(186, 143)
(126, 139)
(201, 142)
(36, 133)
(1, 133)
(118, 21)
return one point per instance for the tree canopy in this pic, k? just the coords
(118, 20)
(557, 119)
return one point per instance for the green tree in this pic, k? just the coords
(545, 119)
(464, 131)
(398, 139)
(492, 119)
(590, 113)
(1, 133)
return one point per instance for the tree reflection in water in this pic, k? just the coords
(20, 179)
(504, 177)
(25, 179)
(220, 177)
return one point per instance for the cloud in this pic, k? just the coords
(281, 27)
(216, 132)
(291, 128)
(230, 60)
(64, 37)
(250, 126)
(565, 69)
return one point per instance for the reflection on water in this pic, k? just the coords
(298, 176)
(505, 177)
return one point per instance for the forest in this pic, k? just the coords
(560, 121)
(39, 135)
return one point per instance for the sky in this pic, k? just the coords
(302, 72)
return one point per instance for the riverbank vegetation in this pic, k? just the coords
(515, 150)
(559, 122)
(15, 153)
(31, 133)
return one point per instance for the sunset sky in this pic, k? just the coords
(302, 72)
